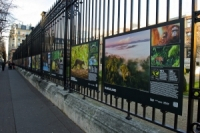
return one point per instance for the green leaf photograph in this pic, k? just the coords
(167, 56)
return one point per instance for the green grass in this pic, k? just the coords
(196, 85)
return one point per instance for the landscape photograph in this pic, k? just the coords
(127, 60)
(79, 61)
(57, 62)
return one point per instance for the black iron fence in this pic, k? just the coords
(127, 54)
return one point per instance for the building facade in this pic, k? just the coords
(17, 33)
(188, 23)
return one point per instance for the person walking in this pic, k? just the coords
(3, 65)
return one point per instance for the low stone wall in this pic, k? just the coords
(89, 116)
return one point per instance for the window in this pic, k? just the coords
(188, 34)
(23, 27)
(189, 22)
(18, 32)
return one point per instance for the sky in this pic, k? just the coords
(28, 12)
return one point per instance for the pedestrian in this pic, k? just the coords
(13, 65)
(3, 65)
(10, 65)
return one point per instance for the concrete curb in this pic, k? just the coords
(90, 117)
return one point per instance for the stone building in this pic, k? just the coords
(17, 33)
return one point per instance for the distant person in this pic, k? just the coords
(3, 65)
(10, 65)
(13, 65)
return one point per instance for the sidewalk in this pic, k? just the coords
(24, 110)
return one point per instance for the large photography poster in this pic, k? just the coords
(57, 63)
(24, 62)
(29, 62)
(85, 65)
(37, 62)
(46, 59)
(146, 66)
(33, 63)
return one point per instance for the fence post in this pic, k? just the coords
(192, 72)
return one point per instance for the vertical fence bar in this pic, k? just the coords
(108, 17)
(116, 101)
(87, 91)
(144, 110)
(139, 7)
(180, 9)
(106, 98)
(84, 93)
(168, 6)
(131, 19)
(198, 114)
(128, 113)
(175, 121)
(90, 92)
(83, 19)
(65, 72)
(122, 103)
(136, 108)
(98, 95)
(96, 20)
(147, 13)
(192, 70)
(86, 19)
(163, 117)
(99, 19)
(92, 20)
(125, 4)
(113, 17)
(89, 17)
(153, 114)
(104, 7)
(157, 11)
(111, 100)
(94, 93)
(118, 22)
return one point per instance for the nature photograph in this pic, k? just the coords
(37, 63)
(94, 47)
(24, 62)
(57, 62)
(127, 60)
(46, 62)
(33, 62)
(168, 56)
(79, 61)
(93, 59)
(29, 62)
(165, 35)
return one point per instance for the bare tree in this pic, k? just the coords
(6, 18)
